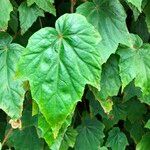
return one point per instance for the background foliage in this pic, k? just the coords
(75, 75)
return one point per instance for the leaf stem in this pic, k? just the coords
(7, 136)
(40, 22)
(73, 2)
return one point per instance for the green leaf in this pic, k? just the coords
(136, 3)
(30, 2)
(131, 91)
(14, 22)
(45, 131)
(46, 5)
(28, 15)
(119, 110)
(59, 63)
(135, 110)
(69, 139)
(26, 139)
(108, 16)
(5, 9)
(110, 83)
(90, 135)
(135, 129)
(134, 64)
(11, 90)
(116, 140)
(148, 124)
(147, 13)
(144, 144)
(140, 27)
(103, 148)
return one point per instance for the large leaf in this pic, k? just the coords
(90, 135)
(28, 15)
(108, 17)
(5, 9)
(59, 63)
(134, 64)
(144, 144)
(46, 5)
(11, 91)
(136, 3)
(116, 140)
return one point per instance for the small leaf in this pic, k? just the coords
(116, 140)
(5, 9)
(90, 135)
(28, 15)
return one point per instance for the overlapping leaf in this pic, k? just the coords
(108, 17)
(28, 15)
(110, 83)
(46, 5)
(134, 64)
(59, 63)
(11, 91)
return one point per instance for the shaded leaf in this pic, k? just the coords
(28, 15)
(116, 140)
(90, 135)
(26, 139)
(110, 83)
(147, 13)
(135, 110)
